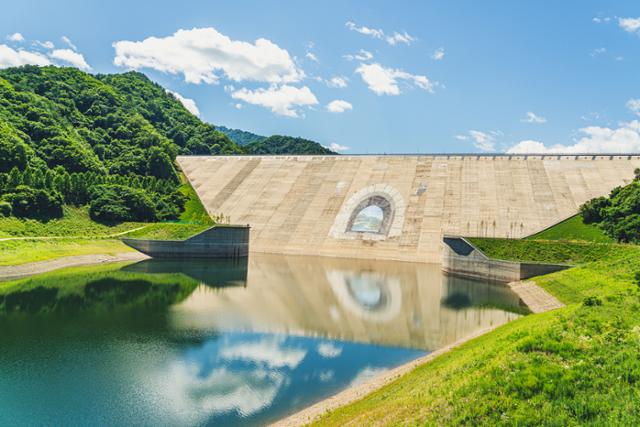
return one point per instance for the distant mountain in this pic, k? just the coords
(241, 137)
(275, 144)
(279, 144)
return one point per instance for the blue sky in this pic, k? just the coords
(536, 76)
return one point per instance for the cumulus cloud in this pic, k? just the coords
(438, 55)
(595, 139)
(271, 353)
(282, 100)
(68, 42)
(201, 54)
(71, 57)
(10, 57)
(631, 25)
(337, 147)
(15, 37)
(362, 55)
(339, 106)
(312, 56)
(188, 103)
(531, 117)
(634, 106)
(385, 81)
(376, 33)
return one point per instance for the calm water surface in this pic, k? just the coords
(221, 343)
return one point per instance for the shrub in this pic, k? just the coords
(5, 209)
(27, 202)
(112, 203)
(591, 301)
(637, 278)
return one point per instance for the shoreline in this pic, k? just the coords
(535, 298)
(13, 272)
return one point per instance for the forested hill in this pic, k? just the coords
(107, 141)
(275, 144)
(241, 137)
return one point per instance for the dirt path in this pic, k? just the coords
(23, 270)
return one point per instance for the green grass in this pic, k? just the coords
(168, 231)
(573, 229)
(75, 222)
(578, 365)
(556, 252)
(15, 252)
(194, 210)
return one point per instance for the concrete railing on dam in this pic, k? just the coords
(309, 204)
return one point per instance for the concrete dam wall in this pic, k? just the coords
(397, 206)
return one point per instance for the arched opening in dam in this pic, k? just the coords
(372, 215)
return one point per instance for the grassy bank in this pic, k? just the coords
(560, 252)
(168, 231)
(15, 252)
(573, 229)
(75, 222)
(573, 366)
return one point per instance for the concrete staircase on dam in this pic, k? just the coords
(304, 204)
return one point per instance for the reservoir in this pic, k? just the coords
(163, 342)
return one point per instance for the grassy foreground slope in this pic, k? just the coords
(573, 228)
(573, 366)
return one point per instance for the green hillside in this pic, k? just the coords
(241, 137)
(573, 228)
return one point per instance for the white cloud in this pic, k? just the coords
(337, 147)
(631, 25)
(339, 106)
(634, 106)
(438, 55)
(483, 141)
(46, 44)
(533, 118)
(329, 350)
(14, 58)
(16, 37)
(69, 56)
(595, 139)
(598, 51)
(200, 53)
(269, 352)
(188, 103)
(371, 32)
(68, 42)
(312, 56)
(600, 20)
(399, 38)
(282, 100)
(461, 137)
(337, 81)
(384, 81)
(392, 40)
(362, 55)
(238, 106)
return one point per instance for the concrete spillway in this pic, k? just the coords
(312, 204)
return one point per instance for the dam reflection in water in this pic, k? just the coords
(223, 343)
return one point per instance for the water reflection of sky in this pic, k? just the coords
(245, 345)
(249, 378)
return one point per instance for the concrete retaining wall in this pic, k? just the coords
(216, 242)
(462, 258)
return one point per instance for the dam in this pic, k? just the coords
(397, 207)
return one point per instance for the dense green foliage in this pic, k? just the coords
(573, 229)
(555, 252)
(619, 214)
(63, 131)
(241, 137)
(577, 365)
(278, 144)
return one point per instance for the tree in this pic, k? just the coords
(159, 164)
(112, 203)
(27, 202)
